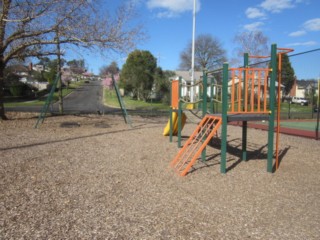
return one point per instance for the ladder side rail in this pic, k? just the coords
(197, 144)
(204, 144)
(189, 151)
(195, 132)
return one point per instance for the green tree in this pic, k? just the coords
(77, 66)
(287, 74)
(162, 84)
(137, 74)
(52, 67)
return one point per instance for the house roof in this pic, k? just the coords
(18, 68)
(186, 75)
(307, 83)
(87, 74)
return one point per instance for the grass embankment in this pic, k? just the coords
(111, 100)
(41, 100)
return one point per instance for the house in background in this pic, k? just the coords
(38, 67)
(24, 75)
(88, 75)
(186, 81)
(303, 88)
(21, 72)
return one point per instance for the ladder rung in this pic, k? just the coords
(195, 144)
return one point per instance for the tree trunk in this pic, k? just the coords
(59, 73)
(2, 112)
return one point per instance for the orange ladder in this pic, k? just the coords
(196, 143)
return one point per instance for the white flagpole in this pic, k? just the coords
(193, 49)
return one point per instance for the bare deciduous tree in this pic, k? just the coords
(33, 28)
(254, 43)
(209, 54)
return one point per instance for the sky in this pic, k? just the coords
(168, 24)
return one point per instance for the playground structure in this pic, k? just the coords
(177, 117)
(246, 94)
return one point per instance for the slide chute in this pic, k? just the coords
(166, 131)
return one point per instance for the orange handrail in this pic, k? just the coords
(285, 50)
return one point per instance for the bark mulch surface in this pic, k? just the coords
(94, 177)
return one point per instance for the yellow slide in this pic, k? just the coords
(166, 131)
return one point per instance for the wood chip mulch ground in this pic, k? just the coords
(94, 177)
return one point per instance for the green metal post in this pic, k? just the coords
(125, 114)
(204, 94)
(223, 163)
(204, 107)
(211, 96)
(245, 123)
(48, 101)
(179, 113)
(271, 105)
(200, 106)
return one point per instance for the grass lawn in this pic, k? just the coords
(111, 100)
(41, 100)
(295, 108)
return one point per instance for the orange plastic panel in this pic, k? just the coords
(175, 94)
